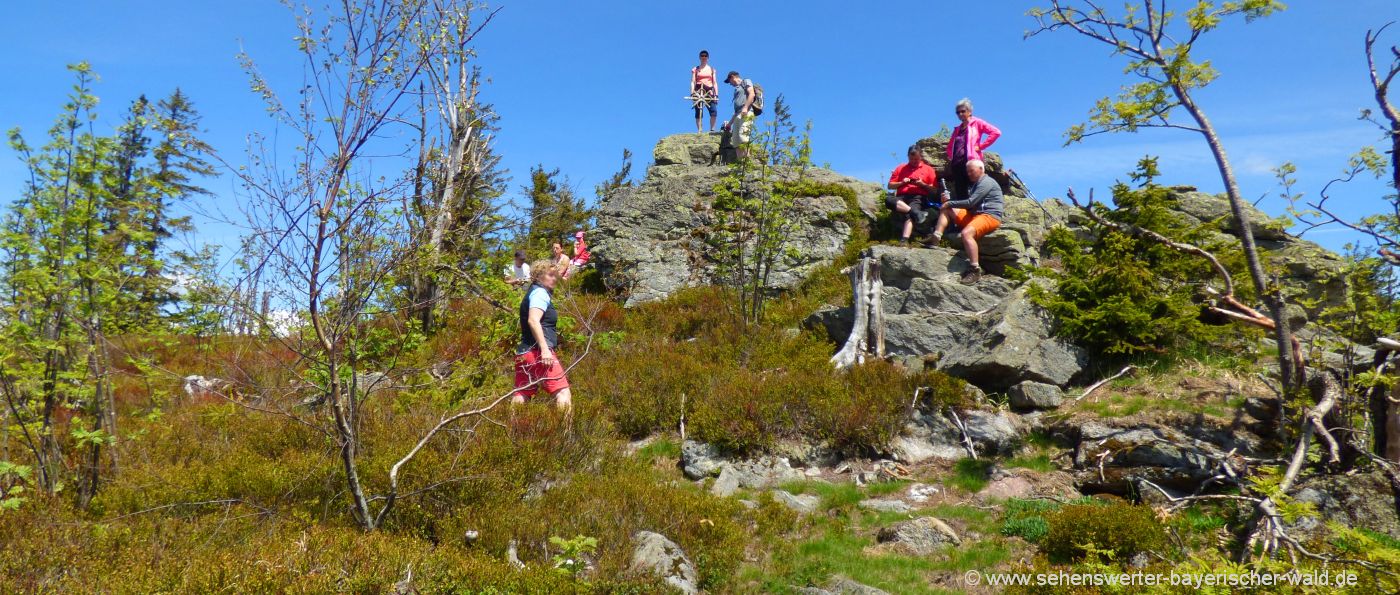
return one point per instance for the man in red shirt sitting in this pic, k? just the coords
(913, 184)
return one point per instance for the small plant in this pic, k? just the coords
(11, 490)
(1026, 518)
(1117, 529)
(571, 558)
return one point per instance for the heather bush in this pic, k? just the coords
(1115, 528)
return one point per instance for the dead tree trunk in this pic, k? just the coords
(868, 321)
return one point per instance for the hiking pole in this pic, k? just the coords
(1029, 194)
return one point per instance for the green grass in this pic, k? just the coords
(661, 448)
(1040, 462)
(1119, 405)
(834, 495)
(970, 475)
(885, 488)
(840, 552)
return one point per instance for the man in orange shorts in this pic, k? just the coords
(977, 215)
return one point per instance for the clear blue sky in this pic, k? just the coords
(576, 82)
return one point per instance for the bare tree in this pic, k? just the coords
(1158, 45)
(323, 219)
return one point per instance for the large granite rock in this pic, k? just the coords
(1200, 207)
(989, 334)
(654, 239)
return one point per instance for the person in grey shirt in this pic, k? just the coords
(742, 123)
(977, 215)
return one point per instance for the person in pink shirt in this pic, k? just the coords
(969, 139)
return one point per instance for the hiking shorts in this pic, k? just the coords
(739, 129)
(981, 224)
(711, 106)
(914, 201)
(531, 374)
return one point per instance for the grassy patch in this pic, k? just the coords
(834, 495)
(970, 475)
(1039, 462)
(837, 551)
(661, 448)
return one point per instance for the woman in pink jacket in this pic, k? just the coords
(970, 138)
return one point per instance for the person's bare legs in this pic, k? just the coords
(945, 215)
(564, 399)
(712, 123)
(969, 239)
(904, 208)
(698, 119)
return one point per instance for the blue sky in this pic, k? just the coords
(576, 82)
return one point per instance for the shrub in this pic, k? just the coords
(1117, 527)
(1127, 296)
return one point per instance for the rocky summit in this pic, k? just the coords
(653, 239)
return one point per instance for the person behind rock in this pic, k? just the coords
(519, 274)
(536, 363)
(703, 84)
(741, 124)
(977, 215)
(913, 184)
(581, 254)
(969, 139)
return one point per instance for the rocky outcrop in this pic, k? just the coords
(655, 239)
(989, 334)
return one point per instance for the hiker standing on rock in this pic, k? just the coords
(977, 215)
(536, 363)
(969, 139)
(741, 124)
(703, 84)
(913, 184)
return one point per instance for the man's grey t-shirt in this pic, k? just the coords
(741, 94)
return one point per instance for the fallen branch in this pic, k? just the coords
(1100, 383)
(962, 428)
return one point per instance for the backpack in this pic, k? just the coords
(757, 106)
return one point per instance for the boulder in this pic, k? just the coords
(687, 149)
(927, 437)
(1200, 207)
(993, 432)
(919, 537)
(880, 505)
(1035, 395)
(799, 503)
(657, 555)
(761, 473)
(655, 238)
(840, 585)
(700, 460)
(1111, 457)
(1015, 342)
(1364, 500)
(989, 334)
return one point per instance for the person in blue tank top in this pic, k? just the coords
(536, 363)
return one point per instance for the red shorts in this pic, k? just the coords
(531, 374)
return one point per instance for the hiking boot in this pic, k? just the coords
(972, 276)
(930, 241)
